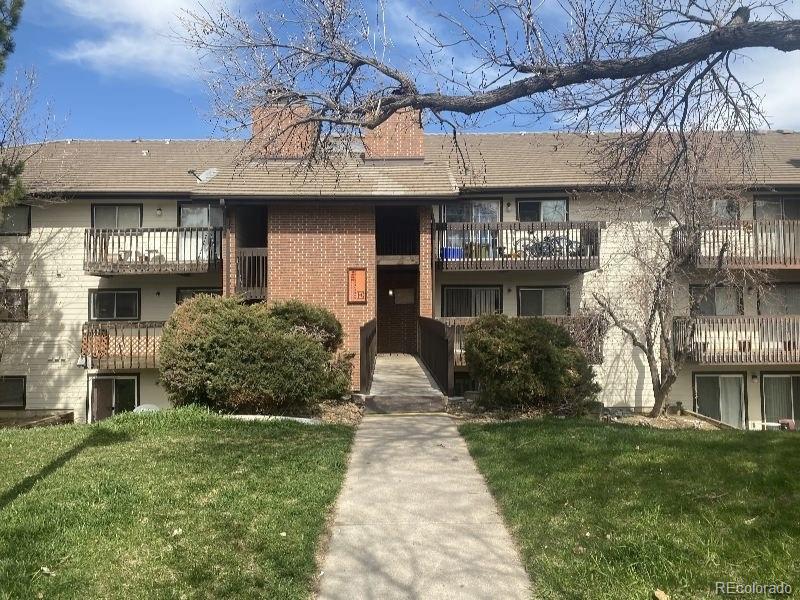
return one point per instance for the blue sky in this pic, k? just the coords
(109, 69)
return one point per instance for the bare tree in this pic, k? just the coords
(662, 74)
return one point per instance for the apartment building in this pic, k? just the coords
(405, 245)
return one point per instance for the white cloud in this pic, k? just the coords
(776, 75)
(131, 36)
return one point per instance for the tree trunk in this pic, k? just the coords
(658, 405)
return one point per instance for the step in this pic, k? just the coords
(398, 404)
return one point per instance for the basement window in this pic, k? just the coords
(12, 392)
(14, 306)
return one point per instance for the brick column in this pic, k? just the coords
(229, 253)
(426, 264)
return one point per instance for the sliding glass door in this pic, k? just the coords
(720, 397)
(781, 397)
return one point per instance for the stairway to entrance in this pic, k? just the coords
(402, 384)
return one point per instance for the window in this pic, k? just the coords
(184, 294)
(783, 299)
(720, 397)
(15, 220)
(549, 210)
(538, 302)
(770, 208)
(114, 305)
(112, 395)
(462, 301)
(781, 397)
(723, 209)
(116, 216)
(200, 215)
(14, 305)
(478, 211)
(716, 302)
(12, 392)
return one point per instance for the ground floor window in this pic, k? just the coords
(545, 301)
(12, 392)
(780, 395)
(112, 394)
(467, 301)
(720, 397)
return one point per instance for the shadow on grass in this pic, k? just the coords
(97, 438)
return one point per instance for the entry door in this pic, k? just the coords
(398, 308)
(110, 396)
(721, 397)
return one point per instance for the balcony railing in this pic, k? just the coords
(518, 246)
(588, 332)
(738, 340)
(121, 344)
(251, 273)
(152, 250)
(739, 244)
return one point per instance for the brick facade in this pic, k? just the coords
(426, 265)
(309, 251)
(281, 137)
(400, 136)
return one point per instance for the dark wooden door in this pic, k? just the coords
(102, 398)
(398, 307)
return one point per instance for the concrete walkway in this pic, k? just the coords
(401, 375)
(415, 519)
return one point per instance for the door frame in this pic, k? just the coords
(761, 376)
(89, 387)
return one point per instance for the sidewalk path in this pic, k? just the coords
(416, 520)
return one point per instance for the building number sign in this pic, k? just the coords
(356, 286)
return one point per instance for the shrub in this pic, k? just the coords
(315, 321)
(229, 356)
(528, 362)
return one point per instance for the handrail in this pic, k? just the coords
(743, 243)
(588, 331)
(572, 245)
(436, 350)
(368, 354)
(736, 340)
(251, 273)
(121, 344)
(152, 250)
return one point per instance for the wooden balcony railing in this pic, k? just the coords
(437, 351)
(251, 273)
(738, 340)
(588, 332)
(518, 245)
(740, 244)
(121, 344)
(152, 250)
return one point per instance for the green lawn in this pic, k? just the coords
(178, 504)
(608, 511)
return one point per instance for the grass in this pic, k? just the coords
(178, 504)
(615, 512)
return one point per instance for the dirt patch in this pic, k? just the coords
(340, 413)
(666, 422)
(472, 413)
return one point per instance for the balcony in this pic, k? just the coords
(743, 244)
(251, 273)
(588, 332)
(515, 245)
(151, 250)
(121, 344)
(738, 340)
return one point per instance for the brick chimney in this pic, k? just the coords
(269, 123)
(400, 136)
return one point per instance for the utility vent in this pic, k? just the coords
(145, 152)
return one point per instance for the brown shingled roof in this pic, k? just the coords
(495, 161)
